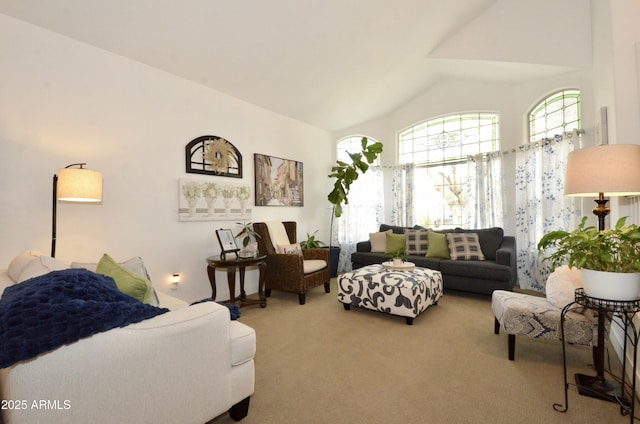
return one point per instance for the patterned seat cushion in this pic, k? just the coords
(532, 316)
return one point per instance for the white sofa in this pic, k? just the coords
(188, 365)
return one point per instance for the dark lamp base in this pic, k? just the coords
(595, 387)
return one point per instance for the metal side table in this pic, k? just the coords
(597, 386)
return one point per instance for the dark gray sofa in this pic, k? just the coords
(497, 272)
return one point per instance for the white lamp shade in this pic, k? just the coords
(79, 185)
(612, 169)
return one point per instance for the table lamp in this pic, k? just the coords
(76, 185)
(605, 170)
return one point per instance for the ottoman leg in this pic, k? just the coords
(347, 306)
(512, 346)
(409, 321)
(496, 326)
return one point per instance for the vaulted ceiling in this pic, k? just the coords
(330, 63)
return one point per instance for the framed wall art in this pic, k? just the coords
(279, 182)
(204, 200)
(213, 155)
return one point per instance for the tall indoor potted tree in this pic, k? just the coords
(609, 259)
(345, 174)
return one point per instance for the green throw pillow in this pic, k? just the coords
(395, 244)
(128, 282)
(438, 246)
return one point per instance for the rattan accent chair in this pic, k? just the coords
(285, 272)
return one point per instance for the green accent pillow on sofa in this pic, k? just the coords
(395, 244)
(438, 247)
(128, 282)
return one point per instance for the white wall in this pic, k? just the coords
(512, 102)
(63, 102)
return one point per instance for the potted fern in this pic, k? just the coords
(609, 259)
(311, 242)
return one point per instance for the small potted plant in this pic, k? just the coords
(604, 257)
(398, 257)
(247, 234)
(311, 242)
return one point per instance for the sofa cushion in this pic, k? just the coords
(313, 265)
(437, 246)
(481, 270)
(38, 266)
(396, 229)
(417, 242)
(17, 264)
(243, 343)
(135, 265)
(378, 241)
(395, 244)
(128, 282)
(464, 246)
(490, 240)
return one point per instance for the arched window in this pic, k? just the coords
(440, 149)
(351, 144)
(557, 114)
(540, 203)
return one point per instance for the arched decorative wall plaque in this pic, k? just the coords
(213, 155)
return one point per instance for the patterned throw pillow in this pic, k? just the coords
(289, 249)
(417, 242)
(464, 246)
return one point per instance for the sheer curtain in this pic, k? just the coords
(541, 205)
(361, 216)
(484, 206)
(403, 195)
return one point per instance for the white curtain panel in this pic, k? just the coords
(541, 205)
(403, 195)
(363, 215)
(484, 207)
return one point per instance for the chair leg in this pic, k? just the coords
(267, 292)
(327, 287)
(301, 298)
(496, 326)
(512, 346)
(240, 409)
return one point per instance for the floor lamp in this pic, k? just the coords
(76, 185)
(606, 170)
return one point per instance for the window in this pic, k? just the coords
(555, 115)
(540, 204)
(351, 144)
(365, 209)
(439, 148)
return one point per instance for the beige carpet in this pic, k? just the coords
(318, 363)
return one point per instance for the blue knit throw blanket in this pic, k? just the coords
(59, 308)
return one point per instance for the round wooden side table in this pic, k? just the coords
(231, 264)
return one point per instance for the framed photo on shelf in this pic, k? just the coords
(227, 242)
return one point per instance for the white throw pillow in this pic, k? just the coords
(562, 284)
(378, 241)
(18, 263)
(40, 265)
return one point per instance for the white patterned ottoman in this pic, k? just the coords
(405, 293)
